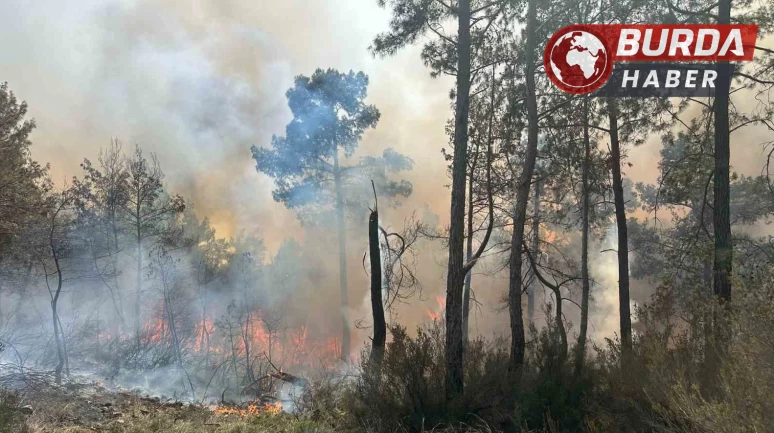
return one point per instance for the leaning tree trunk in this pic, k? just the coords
(456, 274)
(580, 354)
(58, 334)
(522, 197)
(623, 234)
(377, 306)
(345, 339)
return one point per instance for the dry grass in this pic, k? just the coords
(661, 391)
(94, 409)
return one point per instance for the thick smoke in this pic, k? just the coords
(199, 82)
(198, 85)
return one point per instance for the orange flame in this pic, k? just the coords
(293, 349)
(203, 329)
(252, 409)
(435, 315)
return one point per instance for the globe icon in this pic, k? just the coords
(578, 60)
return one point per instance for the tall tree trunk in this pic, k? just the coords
(623, 234)
(246, 334)
(455, 277)
(721, 219)
(58, 334)
(173, 331)
(580, 354)
(345, 339)
(522, 198)
(723, 254)
(377, 306)
(64, 346)
(116, 249)
(205, 333)
(535, 251)
(559, 321)
(138, 286)
(58, 340)
(558, 317)
(468, 254)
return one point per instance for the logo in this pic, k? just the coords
(645, 60)
(578, 60)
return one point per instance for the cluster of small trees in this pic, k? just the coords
(133, 279)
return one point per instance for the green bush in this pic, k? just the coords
(550, 392)
(407, 390)
(661, 388)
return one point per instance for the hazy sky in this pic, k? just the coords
(198, 82)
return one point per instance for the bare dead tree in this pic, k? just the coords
(377, 305)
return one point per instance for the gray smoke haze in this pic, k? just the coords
(199, 82)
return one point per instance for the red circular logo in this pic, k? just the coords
(578, 59)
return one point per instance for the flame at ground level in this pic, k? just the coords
(255, 408)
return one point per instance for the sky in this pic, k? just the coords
(199, 82)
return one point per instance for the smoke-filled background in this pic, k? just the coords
(199, 82)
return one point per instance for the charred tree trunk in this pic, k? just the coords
(580, 354)
(456, 274)
(522, 198)
(340, 226)
(559, 321)
(623, 234)
(377, 306)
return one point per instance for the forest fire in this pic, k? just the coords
(437, 314)
(247, 337)
(486, 252)
(252, 409)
